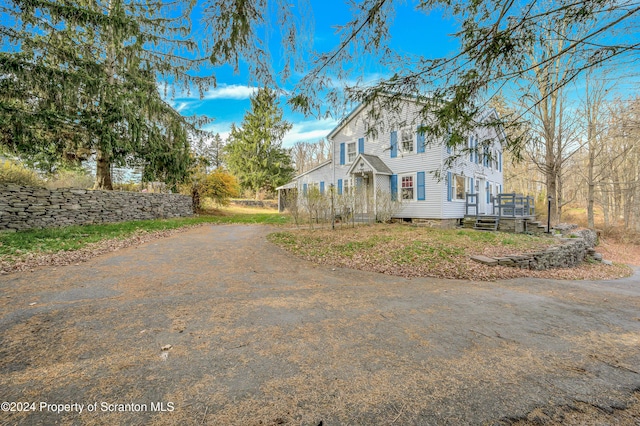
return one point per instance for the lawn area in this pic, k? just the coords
(38, 241)
(412, 252)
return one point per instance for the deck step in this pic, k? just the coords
(486, 224)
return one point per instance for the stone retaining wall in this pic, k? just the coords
(24, 207)
(513, 225)
(569, 252)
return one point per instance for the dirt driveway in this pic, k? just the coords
(260, 338)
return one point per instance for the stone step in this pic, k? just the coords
(484, 260)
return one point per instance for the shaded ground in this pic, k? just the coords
(260, 338)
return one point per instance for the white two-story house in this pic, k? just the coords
(400, 163)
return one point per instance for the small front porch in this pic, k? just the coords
(370, 179)
(506, 212)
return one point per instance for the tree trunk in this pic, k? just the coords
(590, 216)
(560, 198)
(590, 183)
(550, 177)
(617, 199)
(103, 172)
(103, 162)
(636, 219)
(628, 202)
(604, 191)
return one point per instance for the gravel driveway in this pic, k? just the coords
(218, 326)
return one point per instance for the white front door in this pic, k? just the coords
(483, 208)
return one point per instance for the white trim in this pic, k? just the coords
(414, 182)
(414, 144)
(346, 153)
(454, 187)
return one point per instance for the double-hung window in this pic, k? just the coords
(407, 188)
(406, 140)
(351, 152)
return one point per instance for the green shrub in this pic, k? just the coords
(11, 172)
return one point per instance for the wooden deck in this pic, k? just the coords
(517, 224)
(510, 212)
(503, 205)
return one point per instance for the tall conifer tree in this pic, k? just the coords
(82, 79)
(254, 152)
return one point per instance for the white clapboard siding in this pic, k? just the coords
(321, 174)
(383, 184)
(435, 204)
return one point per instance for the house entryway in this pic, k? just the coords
(364, 206)
(365, 173)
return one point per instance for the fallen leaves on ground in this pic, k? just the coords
(619, 252)
(424, 252)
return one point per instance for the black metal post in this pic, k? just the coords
(549, 198)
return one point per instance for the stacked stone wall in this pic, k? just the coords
(570, 252)
(23, 207)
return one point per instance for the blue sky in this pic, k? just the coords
(412, 32)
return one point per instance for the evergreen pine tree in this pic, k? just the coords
(82, 79)
(254, 152)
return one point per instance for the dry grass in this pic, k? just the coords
(418, 252)
(234, 209)
(582, 414)
(613, 231)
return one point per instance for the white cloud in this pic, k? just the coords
(223, 128)
(231, 91)
(306, 131)
(181, 106)
(172, 92)
(309, 131)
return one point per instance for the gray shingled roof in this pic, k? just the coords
(377, 164)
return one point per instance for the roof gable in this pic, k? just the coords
(374, 163)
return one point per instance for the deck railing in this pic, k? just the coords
(502, 205)
(471, 202)
(514, 205)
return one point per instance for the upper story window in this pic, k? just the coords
(406, 140)
(407, 187)
(351, 152)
